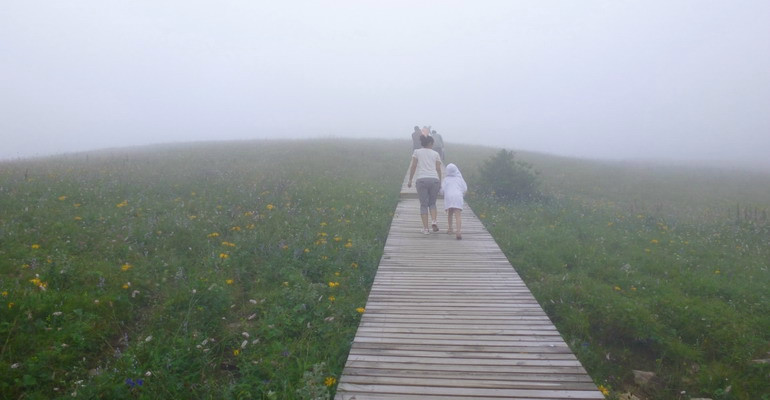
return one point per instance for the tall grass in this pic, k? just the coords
(204, 271)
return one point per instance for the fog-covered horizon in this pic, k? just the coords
(682, 81)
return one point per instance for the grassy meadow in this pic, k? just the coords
(241, 269)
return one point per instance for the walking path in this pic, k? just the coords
(451, 319)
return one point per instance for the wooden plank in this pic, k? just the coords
(449, 319)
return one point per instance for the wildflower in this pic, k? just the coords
(349, 244)
(307, 250)
(333, 284)
(62, 198)
(286, 284)
(330, 380)
(10, 305)
(337, 238)
(337, 273)
(617, 288)
(126, 267)
(134, 293)
(252, 301)
(148, 373)
(248, 213)
(224, 256)
(15, 365)
(332, 298)
(270, 207)
(192, 217)
(236, 229)
(354, 265)
(35, 246)
(40, 284)
(5, 293)
(244, 344)
(654, 241)
(57, 313)
(236, 352)
(604, 390)
(213, 234)
(229, 281)
(228, 244)
(148, 338)
(285, 247)
(126, 285)
(245, 334)
(76, 205)
(717, 272)
(78, 218)
(122, 204)
(361, 310)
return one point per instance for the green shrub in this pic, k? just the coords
(505, 178)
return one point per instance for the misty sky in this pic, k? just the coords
(686, 80)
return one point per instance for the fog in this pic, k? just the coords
(685, 80)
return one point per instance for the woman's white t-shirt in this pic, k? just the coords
(426, 163)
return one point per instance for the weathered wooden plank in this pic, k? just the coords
(449, 319)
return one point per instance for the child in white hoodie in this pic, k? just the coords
(454, 187)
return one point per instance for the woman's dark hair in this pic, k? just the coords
(426, 140)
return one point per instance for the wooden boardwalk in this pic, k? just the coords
(451, 319)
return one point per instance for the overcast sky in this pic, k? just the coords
(673, 79)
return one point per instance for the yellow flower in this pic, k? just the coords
(604, 390)
(361, 310)
(10, 305)
(330, 380)
(236, 352)
(236, 228)
(192, 217)
(213, 235)
(5, 293)
(332, 298)
(224, 256)
(270, 207)
(76, 205)
(126, 286)
(333, 284)
(126, 267)
(78, 218)
(617, 288)
(285, 247)
(323, 224)
(35, 246)
(229, 281)
(122, 204)
(354, 264)
(337, 238)
(229, 244)
(337, 273)
(349, 244)
(717, 272)
(286, 284)
(654, 241)
(62, 198)
(307, 250)
(248, 213)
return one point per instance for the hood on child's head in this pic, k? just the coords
(452, 170)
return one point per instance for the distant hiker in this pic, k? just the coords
(416, 138)
(426, 167)
(438, 144)
(425, 130)
(454, 188)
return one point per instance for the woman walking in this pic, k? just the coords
(426, 168)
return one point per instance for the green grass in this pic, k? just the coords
(159, 263)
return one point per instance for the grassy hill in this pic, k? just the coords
(241, 269)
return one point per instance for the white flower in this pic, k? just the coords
(243, 345)
(57, 313)
(148, 373)
(252, 301)
(252, 316)
(148, 338)
(15, 365)
(134, 293)
(245, 334)
(194, 291)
